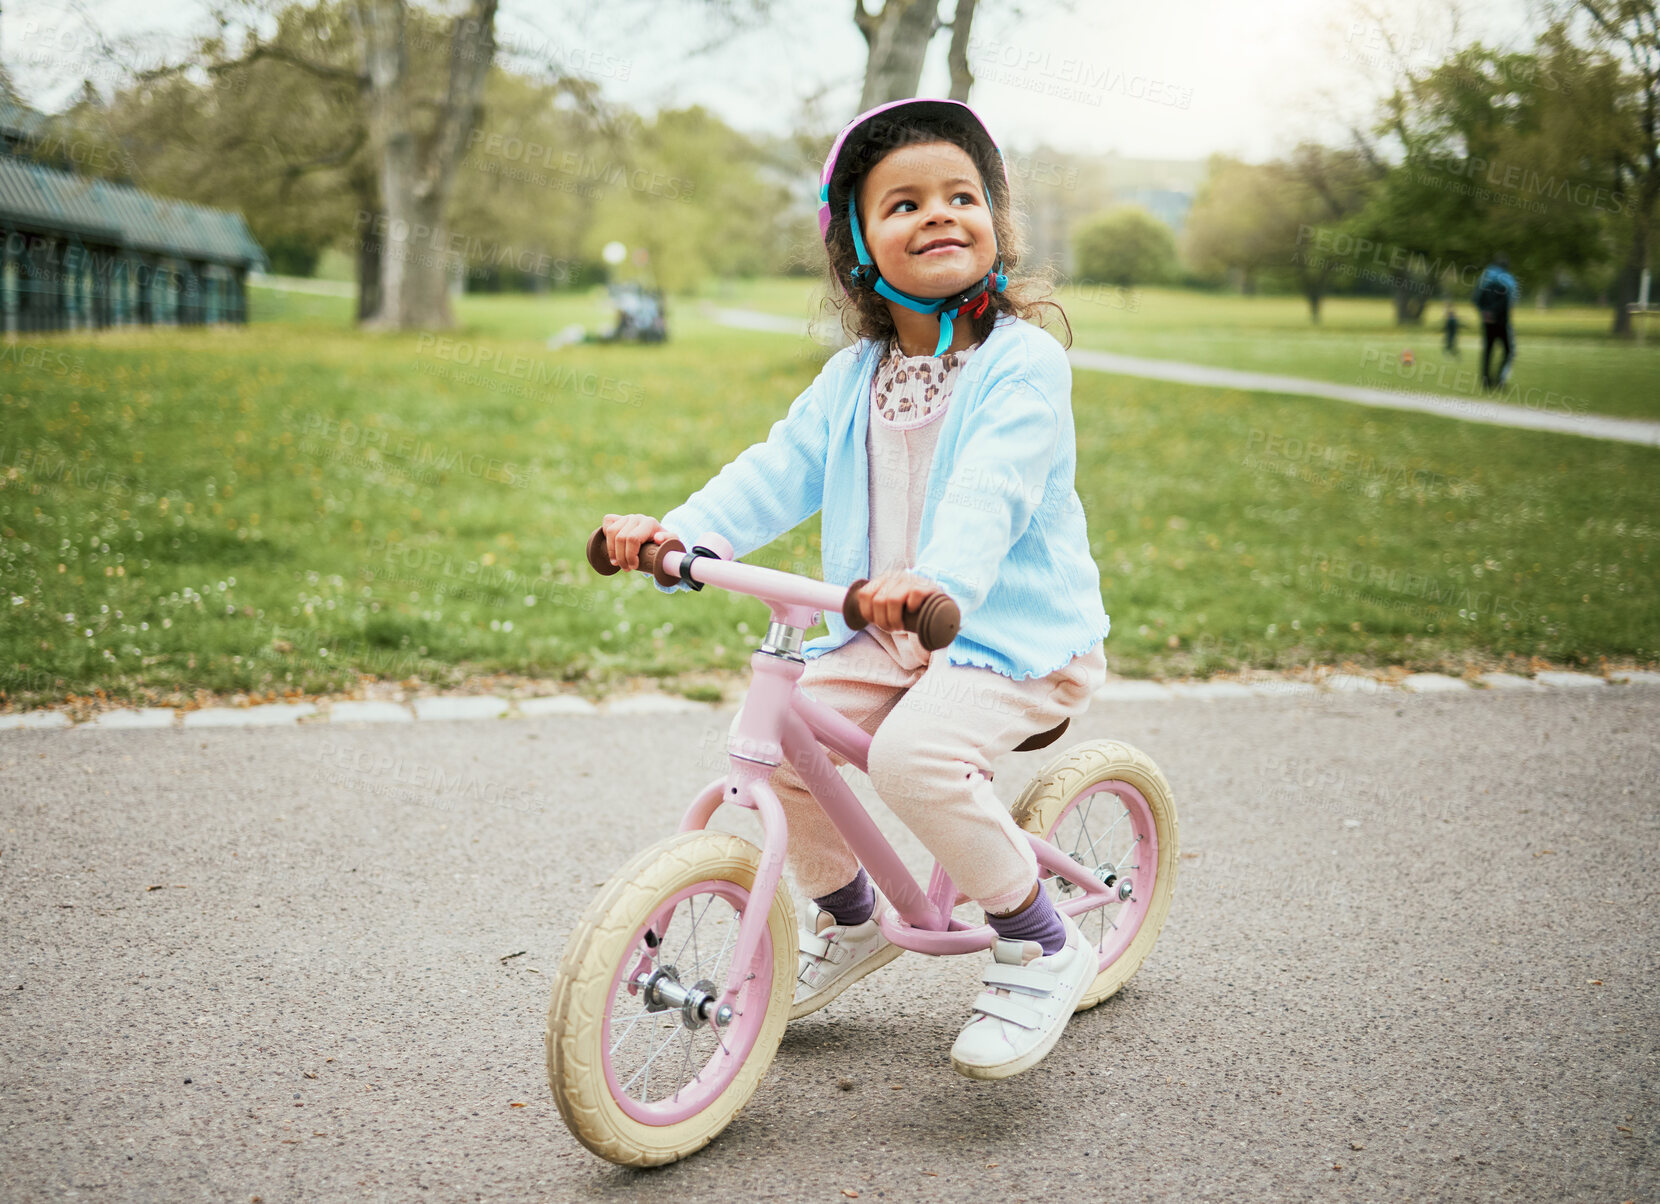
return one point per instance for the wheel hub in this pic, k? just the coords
(661, 990)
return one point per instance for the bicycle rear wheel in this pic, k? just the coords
(1106, 805)
(642, 1070)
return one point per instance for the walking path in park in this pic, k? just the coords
(238, 711)
(1592, 426)
(1410, 955)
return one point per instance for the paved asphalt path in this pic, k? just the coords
(1411, 957)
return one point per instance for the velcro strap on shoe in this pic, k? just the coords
(1019, 978)
(1004, 1008)
(814, 945)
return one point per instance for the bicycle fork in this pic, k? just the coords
(659, 990)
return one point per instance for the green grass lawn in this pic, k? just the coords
(286, 506)
(1566, 363)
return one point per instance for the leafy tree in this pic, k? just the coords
(1125, 246)
(390, 94)
(1278, 220)
(1630, 29)
(1236, 224)
(1322, 190)
(1497, 151)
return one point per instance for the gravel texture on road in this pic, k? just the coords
(1412, 956)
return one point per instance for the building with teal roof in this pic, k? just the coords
(78, 252)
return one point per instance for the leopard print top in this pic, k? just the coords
(909, 390)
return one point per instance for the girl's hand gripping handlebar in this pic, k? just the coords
(934, 620)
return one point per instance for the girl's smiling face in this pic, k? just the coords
(925, 220)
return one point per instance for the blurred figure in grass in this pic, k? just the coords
(1495, 293)
(1449, 325)
(641, 318)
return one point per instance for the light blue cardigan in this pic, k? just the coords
(1002, 526)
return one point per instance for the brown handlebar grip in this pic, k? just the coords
(935, 621)
(598, 558)
(850, 605)
(651, 558)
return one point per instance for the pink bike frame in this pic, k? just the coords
(781, 723)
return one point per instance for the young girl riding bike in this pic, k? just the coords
(940, 449)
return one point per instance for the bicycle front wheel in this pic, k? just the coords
(640, 1074)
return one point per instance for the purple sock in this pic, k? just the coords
(853, 903)
(1040, 922)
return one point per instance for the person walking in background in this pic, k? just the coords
(1450, 326)
(1496, 292)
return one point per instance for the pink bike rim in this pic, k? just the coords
(1127, 924)
(737, 1039)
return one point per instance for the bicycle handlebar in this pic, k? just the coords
(934, 621)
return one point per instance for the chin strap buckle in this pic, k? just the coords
(686, 565)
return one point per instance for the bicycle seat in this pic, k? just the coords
(1042, 738)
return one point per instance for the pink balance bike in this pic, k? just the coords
(674, 990)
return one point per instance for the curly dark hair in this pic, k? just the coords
(863, 312)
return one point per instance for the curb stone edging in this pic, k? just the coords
(1510, 681)
(494, 706)
(1433, 683)
(1570, 680)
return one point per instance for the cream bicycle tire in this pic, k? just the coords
(578, 1028)
(1071, 774)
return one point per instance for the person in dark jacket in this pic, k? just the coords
(1495, 294)
(1449, 326)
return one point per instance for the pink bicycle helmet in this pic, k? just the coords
(836, 193)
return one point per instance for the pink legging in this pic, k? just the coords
(935, 730)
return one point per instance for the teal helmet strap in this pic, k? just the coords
(946, 307)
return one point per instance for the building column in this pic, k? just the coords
(8, 282)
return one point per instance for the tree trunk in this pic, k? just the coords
(962, 22)
(368, 276)
(416, 173)
(1409, 303)
(898, 38)
(1635, 27)
(1314, 288)
(1628, 283)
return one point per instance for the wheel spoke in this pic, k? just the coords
(628, 1028)
(731, 932)
(682, 953)
(645, 1090)
(687, 1060)
(1128, 853)
(1083, 826)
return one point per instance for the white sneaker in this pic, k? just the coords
(835, 956)
(1028, 999)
